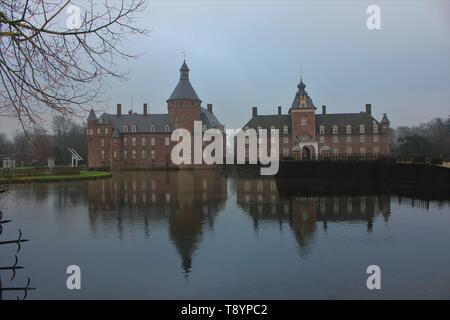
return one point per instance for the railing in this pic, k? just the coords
(12, 267)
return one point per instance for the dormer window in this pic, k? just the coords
(125, 128)
(362, 128)
(152, 128)
(167, 128)
(375, 128)
(335, 129)
(285, 130)
(133, 128)
(348, 129)
(322, 130)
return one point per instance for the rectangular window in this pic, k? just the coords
(286, 152)
(125, 141)
(285, 140)
(375, 129)
(102, 142)
(362, 138)
(349, 139)
(153, 154)
(336, 150)
(91, 132)
(303, 121)
(335, 139)
(98, 130)
(179, 118)
(322, 130)
(321, 139)
(133, 141)
(152, 141)
(335, 130)
(143, 141)
(106, 131)
(115, 154)
(133, 154)
(375, 138)
(376, 150)
(362, 150)
(348, 129)
(143, 154)
(167, 141)
(103, 154)
(125, 154)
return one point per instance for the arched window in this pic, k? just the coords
(167, 128)
(335, 129)
(348, 129)
(133, 128)
(125, 128)
(362, 128)
(152, 128)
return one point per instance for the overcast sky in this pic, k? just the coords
(249, 53)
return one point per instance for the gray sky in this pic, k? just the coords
(249, 53)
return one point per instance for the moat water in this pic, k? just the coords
(205, 234)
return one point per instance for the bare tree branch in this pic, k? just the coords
(46, 66)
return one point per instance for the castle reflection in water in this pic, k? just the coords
(189, 201)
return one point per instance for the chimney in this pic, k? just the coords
(254, 111)
(279, 110)
(324, 109)
(368, 108)
(119, 109)
(209, 106)
(145, 109)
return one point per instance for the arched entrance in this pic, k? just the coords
(306, 153)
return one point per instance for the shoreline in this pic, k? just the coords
(84, 175)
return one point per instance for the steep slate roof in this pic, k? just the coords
(266, 121)
(92, 116)
(143, 123)
(184, 89)
(344, 119)
(327, 120)
(385, 118)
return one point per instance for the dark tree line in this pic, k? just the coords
(430, 139)
(36, 147)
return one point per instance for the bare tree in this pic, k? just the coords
(52, 59)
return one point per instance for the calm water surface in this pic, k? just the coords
(203, 234)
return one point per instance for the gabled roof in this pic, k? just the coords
(385, 118)
(184, 89)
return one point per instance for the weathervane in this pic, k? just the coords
(183, 53)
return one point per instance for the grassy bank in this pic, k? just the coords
(83, 175)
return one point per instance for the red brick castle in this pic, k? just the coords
(305, 134)
(126, 141)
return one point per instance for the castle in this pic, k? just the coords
(137, 141)
(303, 134)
